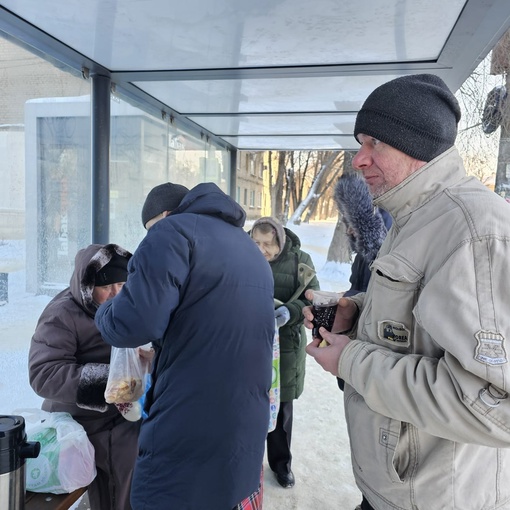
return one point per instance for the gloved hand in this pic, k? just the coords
(282, 316)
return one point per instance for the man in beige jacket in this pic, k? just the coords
(424, 352)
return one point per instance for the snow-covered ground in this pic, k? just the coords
(320, 446)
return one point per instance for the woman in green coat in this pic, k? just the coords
(293, 274)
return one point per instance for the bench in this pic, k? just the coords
(44, 501)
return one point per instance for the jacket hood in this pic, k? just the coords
(278, 227)
(208, 198)
(87, 263)
(354, 202)
(287, 240)
(292, 243)
(294, 239)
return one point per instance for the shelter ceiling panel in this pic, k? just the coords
(289, 143)
(312, 94)
(163, 34)
(285, 124)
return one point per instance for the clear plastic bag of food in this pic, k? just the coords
(127, 376)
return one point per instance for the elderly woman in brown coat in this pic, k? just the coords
(69, 364)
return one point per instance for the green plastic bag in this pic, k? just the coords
(42, 474)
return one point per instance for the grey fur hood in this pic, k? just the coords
(354, 202)
(87, 263)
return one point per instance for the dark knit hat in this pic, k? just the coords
(416, 114)
(113, 272)
(165, 197)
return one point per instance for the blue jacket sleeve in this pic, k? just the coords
(141, 312)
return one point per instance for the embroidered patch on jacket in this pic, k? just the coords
(394, 332)
(490, 349)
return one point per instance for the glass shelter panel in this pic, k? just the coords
(58, 188)
(44, 201)
(147, 151)
(46, 187)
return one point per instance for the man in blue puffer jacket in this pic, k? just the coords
(202, 293)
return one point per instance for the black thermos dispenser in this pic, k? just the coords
(14, 449)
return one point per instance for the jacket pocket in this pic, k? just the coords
(394, 290)
(376, 445)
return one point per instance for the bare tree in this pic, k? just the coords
(339, 249)
(303, 166)
(270, 180)
(327, 168)
(500, 110)
(477, 148)
(277, 189)
(323, 206)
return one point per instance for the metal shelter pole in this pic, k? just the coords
(100, 158)
(233, 173)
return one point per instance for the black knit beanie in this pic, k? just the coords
(416, 114)
(165, 197)
(113, 272)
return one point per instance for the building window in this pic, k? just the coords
(245, 201)
(238, 194)
(252, 198)
(259, 200)
(261, 170)
(252, 166)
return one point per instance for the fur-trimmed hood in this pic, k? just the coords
(354, 202)
(87, 263)
(278, 227)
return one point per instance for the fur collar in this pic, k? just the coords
(354, 202)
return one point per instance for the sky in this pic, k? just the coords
(320, 446)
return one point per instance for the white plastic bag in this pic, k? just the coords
(66, 461)
(274, 392)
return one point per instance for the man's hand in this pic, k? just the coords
(146, 352)
(345, 313)
(327, 357)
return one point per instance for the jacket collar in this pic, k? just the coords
(422, 186)
(208, 198)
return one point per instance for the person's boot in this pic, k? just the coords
(286, 480)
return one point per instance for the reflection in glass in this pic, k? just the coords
(45, 191)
